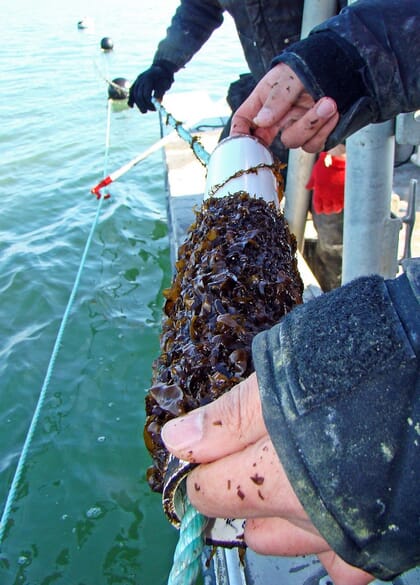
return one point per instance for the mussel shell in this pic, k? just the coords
(236, 275)
(226, 532)
(173, 494)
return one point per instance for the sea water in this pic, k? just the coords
(82, 512)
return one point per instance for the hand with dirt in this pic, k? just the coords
(280, 103)
(240, 476)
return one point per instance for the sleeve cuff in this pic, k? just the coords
(337, 378)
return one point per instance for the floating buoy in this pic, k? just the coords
(107, 44)
(85, 22)
(118, 89)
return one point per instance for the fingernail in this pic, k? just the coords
(183, 432)
(263, 117)
(326, 109)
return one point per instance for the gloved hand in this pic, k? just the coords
(155, 81)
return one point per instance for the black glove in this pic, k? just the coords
(154, 81)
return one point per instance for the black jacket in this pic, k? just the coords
(340, 386)
(376, 62)
(265, 28)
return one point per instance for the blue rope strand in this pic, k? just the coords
(187, 557)
(198, 149)
(11, 497)
(26, 446)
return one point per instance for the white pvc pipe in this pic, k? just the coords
(242, 163)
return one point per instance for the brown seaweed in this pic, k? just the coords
(236, 275)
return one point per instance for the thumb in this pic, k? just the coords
(225, 426)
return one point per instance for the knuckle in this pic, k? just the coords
(237, 413)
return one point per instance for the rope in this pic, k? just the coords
(198, 149)
(11, 497)
(200, 152)
(187, 557)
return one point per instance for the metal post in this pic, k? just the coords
(315, 12)
(297, 197)
(370, 238)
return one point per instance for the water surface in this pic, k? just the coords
(83, 514)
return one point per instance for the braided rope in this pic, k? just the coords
(198, 149)
(187, 557)
(12, 494)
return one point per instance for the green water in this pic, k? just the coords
(83, 514)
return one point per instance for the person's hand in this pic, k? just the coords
(280, 103)
(240, 476)
(155, 82)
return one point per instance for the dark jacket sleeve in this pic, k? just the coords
(192, 25)
(340, 388)
(373, 48)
